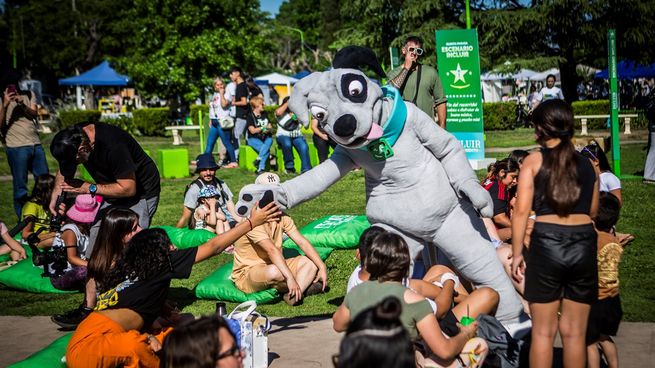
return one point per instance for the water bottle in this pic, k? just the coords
(221, 310)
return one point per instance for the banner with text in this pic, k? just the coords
(458, 62)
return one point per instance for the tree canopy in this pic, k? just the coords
(177, 47)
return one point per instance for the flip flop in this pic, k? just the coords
(7, 264)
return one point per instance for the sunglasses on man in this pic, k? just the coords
(415, 50)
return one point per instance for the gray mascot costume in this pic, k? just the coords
(418, 180)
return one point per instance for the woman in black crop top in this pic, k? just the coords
(132, 294)
(561, 186)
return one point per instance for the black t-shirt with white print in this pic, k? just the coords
(147, 297)
(257, 121)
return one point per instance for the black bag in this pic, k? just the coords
(504, 350)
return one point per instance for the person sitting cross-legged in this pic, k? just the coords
(259, 264)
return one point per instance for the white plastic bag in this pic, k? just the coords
(252, 334)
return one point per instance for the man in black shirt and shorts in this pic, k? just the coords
(124, 175)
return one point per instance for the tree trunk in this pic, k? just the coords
(569, 78)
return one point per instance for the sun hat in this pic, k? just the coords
(208, 191)
(84, 210)
(206, 161)
(267, 178)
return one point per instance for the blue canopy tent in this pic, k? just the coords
(101, 75)
(628, 69)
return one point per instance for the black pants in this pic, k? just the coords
(322, 147)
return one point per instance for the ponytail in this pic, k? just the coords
(554, 119)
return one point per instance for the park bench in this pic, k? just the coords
(175, 129)
(626, 119)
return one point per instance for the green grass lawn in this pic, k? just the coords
(347, 197)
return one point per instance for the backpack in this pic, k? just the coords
(504, 350)
(215, 182)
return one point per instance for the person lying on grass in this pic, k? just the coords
(388, 263)
(260, 265)
(133, 293)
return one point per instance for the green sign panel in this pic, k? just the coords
(614, 100)
(458, 62)
(394, 57)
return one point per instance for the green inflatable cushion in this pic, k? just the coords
(50, 356)
(27, 277)
(334, 231)
(187, 238)
(219, 286)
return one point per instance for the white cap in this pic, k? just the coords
(267, 178)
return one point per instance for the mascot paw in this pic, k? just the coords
(479, 197)
(262, 193)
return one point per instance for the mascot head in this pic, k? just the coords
(344, 101)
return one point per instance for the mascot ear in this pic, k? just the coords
(298, 99)
(356, 57)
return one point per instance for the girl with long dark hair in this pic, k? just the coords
(560, 269)
(37, 207)
(132, 294)
(118, 226)
(501, 177)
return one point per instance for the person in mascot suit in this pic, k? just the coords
(419, 183)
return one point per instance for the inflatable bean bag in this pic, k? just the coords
(50, 356)
(219, 286)
(334, 231)
(187, 238)
(25, 276)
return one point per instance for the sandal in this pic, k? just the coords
(626, 239)
(231, 165)
(7, 264)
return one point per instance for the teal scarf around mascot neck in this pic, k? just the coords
(380, 148)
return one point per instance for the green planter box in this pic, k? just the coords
(246, 157)
(174, 163)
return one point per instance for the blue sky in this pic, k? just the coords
(270, 6)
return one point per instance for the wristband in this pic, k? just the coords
(449, 276)
(249, 222)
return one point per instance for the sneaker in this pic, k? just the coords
(259, 171)
(291, 170)
(69, 320)
(256, 163)
(314, 288)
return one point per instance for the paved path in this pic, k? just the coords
(293, 342)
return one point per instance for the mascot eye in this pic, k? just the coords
(355, 88)
(319, 113)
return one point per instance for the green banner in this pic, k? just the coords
(458, 62)
(614, 100)
(394, 57)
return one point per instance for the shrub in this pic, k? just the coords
(72, 117)
(194, 113)
(124, 122)
(499, 115)
(151, 122)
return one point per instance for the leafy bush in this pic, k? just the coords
(151, 122)
(194, 113)
(72, 117)
(124, 122)
(499, 115)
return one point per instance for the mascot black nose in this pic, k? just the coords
(345, 126)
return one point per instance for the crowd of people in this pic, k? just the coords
(553, 227)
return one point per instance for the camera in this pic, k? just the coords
(54, 260)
